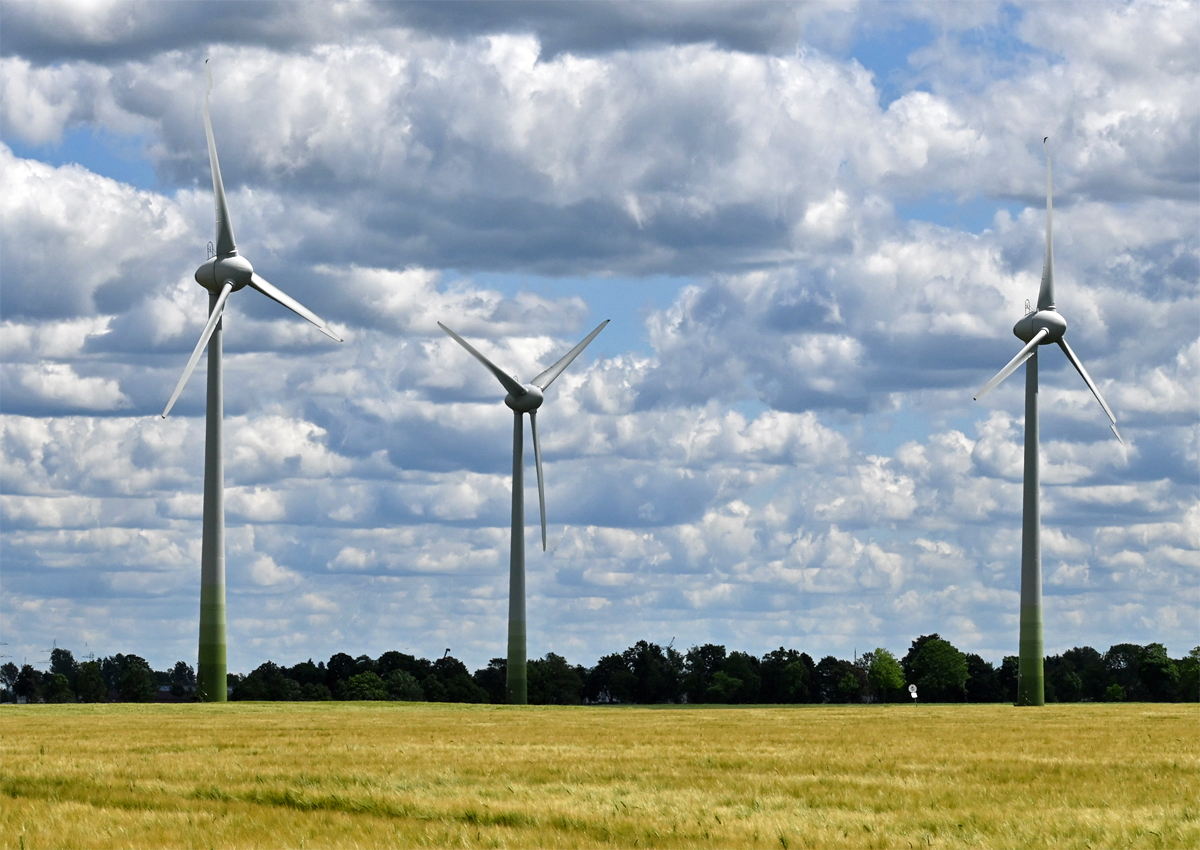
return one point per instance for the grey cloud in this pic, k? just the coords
(599, 27)
(49, 32)
(114, 32)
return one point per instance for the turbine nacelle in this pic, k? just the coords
(530, 401)
(217, 271)
(1049, 320)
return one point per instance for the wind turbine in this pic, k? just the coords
(1039, 327)
(521, 399)
(222, 274)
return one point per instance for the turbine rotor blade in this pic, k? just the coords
(1046, 293)
(225, 243)
(537, 459)
(276, 294)
(213, 318)
(546, 378)
(507, 381)
(1087, 379)
(1022, 355)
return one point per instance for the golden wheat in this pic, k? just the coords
(402, 774)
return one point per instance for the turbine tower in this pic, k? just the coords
(521, 399)
(1039, 327)
(221, 275)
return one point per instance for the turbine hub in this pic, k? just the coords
(1050, 319)
(527, 403)
(215, 271)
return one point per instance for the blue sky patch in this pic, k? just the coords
(884, 52)
(971, 214)
(99, 151)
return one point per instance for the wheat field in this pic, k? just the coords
(308, 775)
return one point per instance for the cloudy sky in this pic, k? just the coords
(812, 226)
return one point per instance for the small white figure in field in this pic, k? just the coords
(912, 691)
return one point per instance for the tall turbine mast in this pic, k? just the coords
(522, 399)
(1040, 327)
(223, 274)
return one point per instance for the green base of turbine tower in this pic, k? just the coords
(517, 684)
(1031, 681)
(211, 679)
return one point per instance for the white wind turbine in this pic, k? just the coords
(221, 275)
(1039, 327)
(521, 399)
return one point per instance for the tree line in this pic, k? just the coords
(645, 673)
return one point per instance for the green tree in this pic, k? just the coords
(402, 685)
(786, 675)
(62, 663)
(8, 677)
(828, 677)
(659, 672)
(937, 669)
(456, 682)
(552, 681)
(56, 688)
(137, 682)
(1123, 661)
(29, 684)
(610, 681)
(90, 684)
(1007, 675)
(267, 682)
(1088, 664)
(885, 675)
(492, 679)
(419, 668)
(315, 692)
(433, 689)
(724, 688)
(1070, 687)
(183, 679)
(340, 667)
(307, 673)
(983, 680)
(906, 662)
(744, 667)
(1189, 676)
(110, 669)
(1115, 693)
(1159, 674)
(1063, 682)
(850, 687)
(700, 664)
(364, 686)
